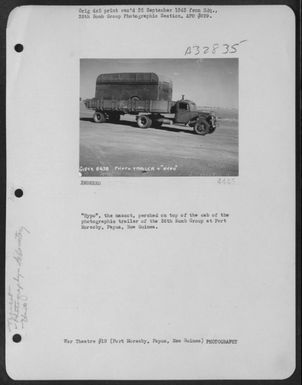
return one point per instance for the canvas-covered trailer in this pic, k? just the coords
(133, 86)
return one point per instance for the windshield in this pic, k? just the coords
(193, 107)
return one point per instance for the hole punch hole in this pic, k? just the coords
(18, 193)
(19, 47)
(17, 338)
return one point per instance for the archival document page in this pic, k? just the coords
(150, 192)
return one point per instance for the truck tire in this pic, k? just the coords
(99, 117)
(143, 121)
(201, 127)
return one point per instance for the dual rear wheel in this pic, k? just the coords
(144, 121)
(100, 117)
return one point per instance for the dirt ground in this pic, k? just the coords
(123, 149)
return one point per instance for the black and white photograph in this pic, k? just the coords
(159, 117)
(150, 201)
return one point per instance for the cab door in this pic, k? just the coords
(183, 113)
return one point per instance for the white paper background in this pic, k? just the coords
(235, 281)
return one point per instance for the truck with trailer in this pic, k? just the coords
(148, 96)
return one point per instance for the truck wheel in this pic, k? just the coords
(143, 121)
(201, 127)
(99, 117)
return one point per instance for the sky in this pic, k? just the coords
(207, 82)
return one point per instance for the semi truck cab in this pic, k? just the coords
(183, 111)
(186, 112)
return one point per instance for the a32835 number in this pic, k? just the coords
(216, 48)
